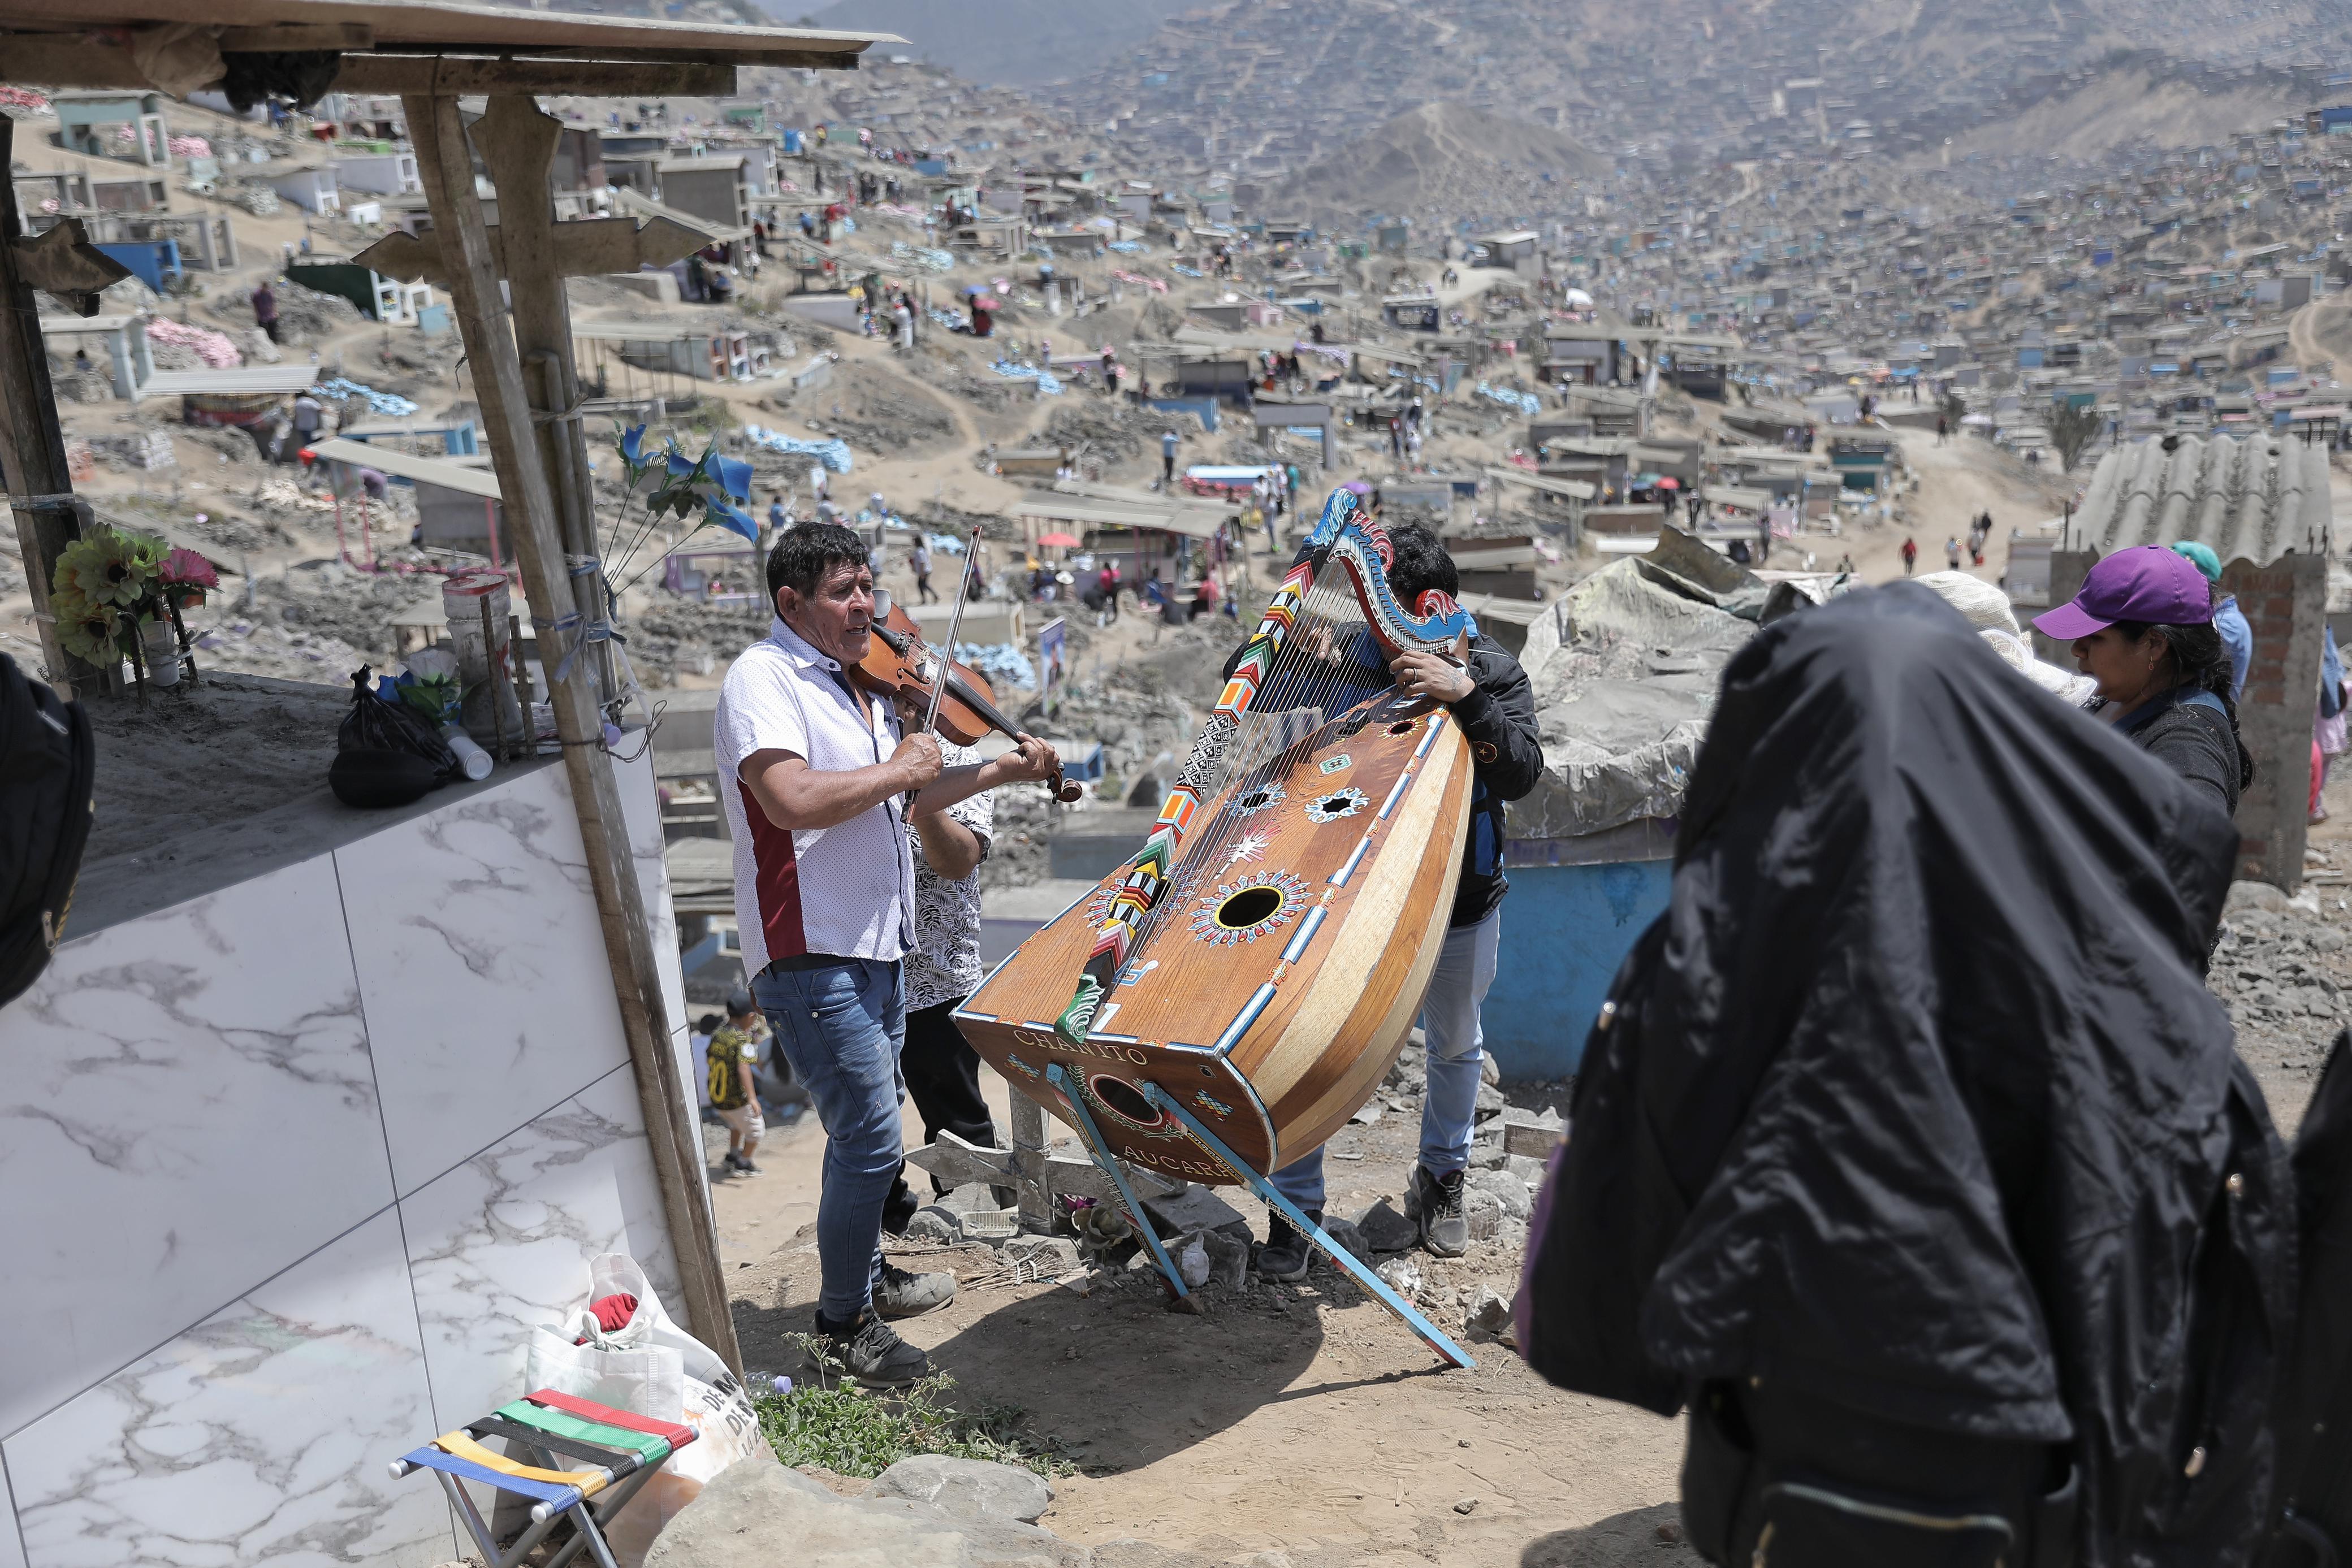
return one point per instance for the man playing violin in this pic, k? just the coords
(819, 779)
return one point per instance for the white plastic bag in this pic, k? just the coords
(709, 1398)
(645, 1379)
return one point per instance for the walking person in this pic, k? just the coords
(1952, 552)
(265, 310)
(920, 559)
(733, 1058)
(1491, 700)
(1167, 458)
(1910, 554)
(819, 782)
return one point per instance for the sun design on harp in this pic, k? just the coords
(1250, 847)
(1250, 907)
(1337, 804)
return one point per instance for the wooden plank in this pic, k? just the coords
(444, 162)
(591, 247)
(70, 61)
(435, 28)
(444, 75)
(290, 36)
(32, 447)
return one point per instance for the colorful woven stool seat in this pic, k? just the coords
(612, 1453)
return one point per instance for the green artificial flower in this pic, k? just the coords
(102, 568)
(86, 629)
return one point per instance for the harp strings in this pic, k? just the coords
(1328, 663)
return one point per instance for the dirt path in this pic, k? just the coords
(1297, 1419)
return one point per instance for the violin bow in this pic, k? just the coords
(946, 653)
(1147, 875)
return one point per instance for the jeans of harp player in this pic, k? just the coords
(1449, 1022)
(841, 1026)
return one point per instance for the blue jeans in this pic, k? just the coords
(1449, 1022)
(842, 1027)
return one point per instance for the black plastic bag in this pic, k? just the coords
(374, 725)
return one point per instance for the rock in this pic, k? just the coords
(1467, 1505)
(1490, 1101)
(1350, 1238)
(1229, 1259)
(1530, 1171)
(1192, 1261)
(1195, 1208)
(759, 1514)
(1490, 1071)
(968, 1489)
(1051, 1256)
(932, 1223)
(1485, 1212)
(1383, 1229)
(991, 1224)
(1369, 1114)
(2249, 896)
(1533, 1136)
(1490, 1312)
(1506, 1188)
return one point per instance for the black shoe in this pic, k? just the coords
(868, 1352)
(901, 1294)
(1287, 1252)
(736, 1162)
(1434, 1202)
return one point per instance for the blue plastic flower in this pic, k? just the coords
(727, 516)
(632, 455)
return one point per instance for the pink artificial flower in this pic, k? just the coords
(187, 568)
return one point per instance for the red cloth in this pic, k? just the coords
(614, 1312)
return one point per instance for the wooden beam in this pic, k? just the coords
(70, 60)
(287, 37)
(32, 447)
(592, 247)
(445, 75)
(445, 165)
(63, 263)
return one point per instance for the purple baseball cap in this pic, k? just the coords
(2145, 582)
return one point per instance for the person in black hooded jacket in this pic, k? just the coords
(1494, 706)
(1910, 1152)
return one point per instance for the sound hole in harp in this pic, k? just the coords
(1124, 1101)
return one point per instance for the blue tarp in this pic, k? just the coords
(834, 454)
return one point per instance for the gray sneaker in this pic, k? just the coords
(1435, 1204)
(900, 1294)
(868, 1352)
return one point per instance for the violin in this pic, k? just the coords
(899, 663)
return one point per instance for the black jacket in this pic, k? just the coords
(2192, 738)
(1499, 720)
(1913, 1101)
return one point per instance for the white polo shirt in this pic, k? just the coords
(847, 890)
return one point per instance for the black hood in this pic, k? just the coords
(1916, 1096)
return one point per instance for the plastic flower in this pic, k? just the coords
(86, 629)
(187, 568)
(723, 484)
(102, 568)
(632, 452)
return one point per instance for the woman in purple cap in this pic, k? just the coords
(2143, 628)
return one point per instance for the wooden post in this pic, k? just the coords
(447, 171)
(32, 447)
(518, 145)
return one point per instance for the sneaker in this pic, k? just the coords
(1435, 1204)
(868, 1352)
(901, 1294)
(1287, 1252)
(736, 1162)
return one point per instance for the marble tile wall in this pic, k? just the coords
(287, 1172)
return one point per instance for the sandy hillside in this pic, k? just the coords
(1426, 154)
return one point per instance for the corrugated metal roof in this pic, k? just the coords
(2254, 500)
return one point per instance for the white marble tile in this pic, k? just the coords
(188, 1106)
(12, 1543)
(642, 806)
(261, 1435)
(501, 1245)
(482, 970)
